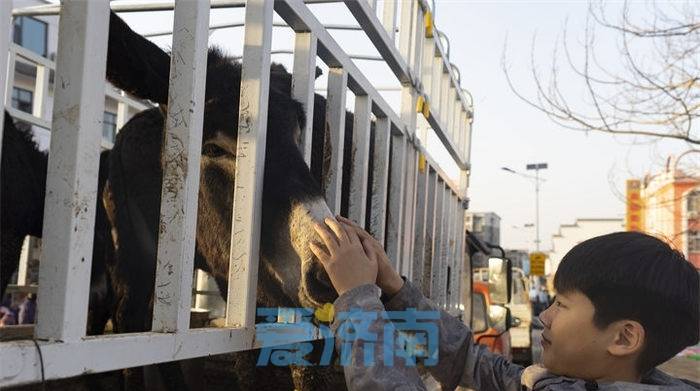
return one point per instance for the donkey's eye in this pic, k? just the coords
(214, 151)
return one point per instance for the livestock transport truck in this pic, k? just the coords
(214, 148)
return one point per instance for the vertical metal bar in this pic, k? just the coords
(360, 161)
(406, 31)
(418, 38)
(460, 252)
(468, 141)
(11, 62)
(427, 65)
(451, 106)
(451, 257)
(5, 20)
(437, 239)
(396, 181)
(71, 188)
(23, 268)
(448, 252)
(406, 261)
(420, 221)
(445, 241)
(250, 165)
(430, 212)
(436, 81)
(181, 156)
(460, 132)
(122, 112)
(380, 178)
(335, 119)
(456, 129)
(303, 78)
(444, 101)
(389, 18)
(453, 261)
(464, 271)
(41, 90)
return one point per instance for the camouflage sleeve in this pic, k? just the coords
(460, 361)
(360, 330)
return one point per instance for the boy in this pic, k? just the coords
(626, 302)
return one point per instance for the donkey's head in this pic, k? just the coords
(292, 200)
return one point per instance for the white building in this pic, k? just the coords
(29, 89)
(570, 235)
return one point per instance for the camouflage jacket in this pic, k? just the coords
(460, 361)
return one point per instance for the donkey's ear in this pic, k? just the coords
(135, 64)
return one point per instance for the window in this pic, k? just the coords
(479, 315)
(693, 241)
(109, 127)
(694, 202)
(22, 99)
(31, 33)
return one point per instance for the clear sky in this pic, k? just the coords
(586, 171)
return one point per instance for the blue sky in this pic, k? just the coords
(586, 171)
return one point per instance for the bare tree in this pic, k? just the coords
(652, 88)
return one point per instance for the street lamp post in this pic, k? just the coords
(537, 167)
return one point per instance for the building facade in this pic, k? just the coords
(668, 207)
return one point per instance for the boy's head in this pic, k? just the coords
(626, 302)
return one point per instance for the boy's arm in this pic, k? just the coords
(366, 368)
(461, 361)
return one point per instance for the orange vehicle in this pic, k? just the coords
(489, 321)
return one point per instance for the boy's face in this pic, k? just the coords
(572, 345)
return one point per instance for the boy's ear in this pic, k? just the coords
(628, 338)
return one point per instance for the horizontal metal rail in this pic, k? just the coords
(221, 26)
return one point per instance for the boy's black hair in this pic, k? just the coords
(631, 275)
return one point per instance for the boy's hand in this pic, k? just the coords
(388, 279)
(345, 260)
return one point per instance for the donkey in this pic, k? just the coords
(289, 275)
(23, 189)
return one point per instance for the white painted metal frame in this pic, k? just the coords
(357, 208)
(335, 120)
(395, 212)
(5, 14)
(303, 77)
(380, 178)
(414, 205)
(71, 185)
(250, 164)
(181, 156)
(437, 239)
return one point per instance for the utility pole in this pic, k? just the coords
(537, 167)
